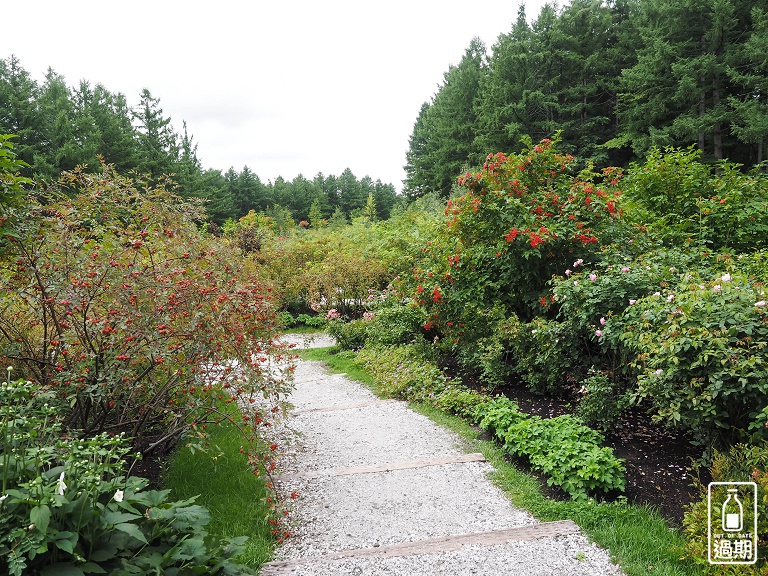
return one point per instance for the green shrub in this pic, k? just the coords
(544, 354)
(600, 403)
(286, 319)
(460, 400)
(349, 335)
(498, 415)
(700, 355)
(561, 448)
(714, 207)
(568, 453)
(67, 507)
(394, 324)
(402, 372)
(311, 321)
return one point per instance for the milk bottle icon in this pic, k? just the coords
(733, 512)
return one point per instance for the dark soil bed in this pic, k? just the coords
(657, 460)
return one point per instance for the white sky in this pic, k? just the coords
(296, 87)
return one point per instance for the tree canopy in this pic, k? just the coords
(614, 78)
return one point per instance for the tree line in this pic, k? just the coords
(59, 127)
(616, 78)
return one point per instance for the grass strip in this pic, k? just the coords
(226, 485)
(637, 537)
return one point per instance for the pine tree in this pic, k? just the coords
(158, 143)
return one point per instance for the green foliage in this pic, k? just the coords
(562, 448)
(700, 354)
(568, 453)
(12, 186)
(600, 404)
(741, 463)
(498, 416)
(712, 207)
(115, 301)
(67, 507)
(402, 372)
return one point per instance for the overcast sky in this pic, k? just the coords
(288, 88)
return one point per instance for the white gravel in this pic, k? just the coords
(337, 423)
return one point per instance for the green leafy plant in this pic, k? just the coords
(67, 506)
(568, 453)
(112, 299)
(600, 403)
(403, 372)
(311, 321)
(561, 448)
(700, 354)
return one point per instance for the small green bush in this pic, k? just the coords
(349, 335)
(561, 448)
(402, 372)
(600, 404)
(460, 400)
(498, 416)
(67, 507)
(286, 319)
(394, 324)
(311, 321)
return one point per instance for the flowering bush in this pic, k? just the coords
(522, 219)
(66, 506)
(699, 350)
(114, 302)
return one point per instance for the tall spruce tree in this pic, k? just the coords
(446, 129)
(158, 143)
(677, 93)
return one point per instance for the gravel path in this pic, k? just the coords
(384, 490)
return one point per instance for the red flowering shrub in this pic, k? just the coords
(112, 298)
(522, 219)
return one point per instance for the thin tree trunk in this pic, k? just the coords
(717, 132)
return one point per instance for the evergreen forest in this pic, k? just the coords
(59, 127)
(616, 78)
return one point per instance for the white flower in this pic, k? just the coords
(717, 288)
(657, 293)
(631, 302)
(761, 303)
(3, 497)
(670, 297)
(726, 278)
(567, 272)
(60, 486)
(659, 372)
(118, 495)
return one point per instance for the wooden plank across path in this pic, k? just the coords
(344, 407)
(434, 545)
(386, 467)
